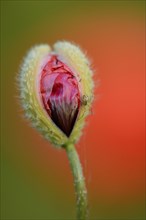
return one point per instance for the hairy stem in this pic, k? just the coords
(79, 182)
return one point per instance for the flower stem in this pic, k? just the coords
(79, 182)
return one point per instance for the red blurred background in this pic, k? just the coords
(112, 148)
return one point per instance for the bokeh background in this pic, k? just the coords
(36, 179)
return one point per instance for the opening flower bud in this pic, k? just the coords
(52, 84)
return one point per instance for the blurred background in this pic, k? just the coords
(36, 178)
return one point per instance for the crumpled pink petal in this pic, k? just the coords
(60, 94)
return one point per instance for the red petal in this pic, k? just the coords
(60, 94)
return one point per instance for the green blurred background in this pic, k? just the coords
(36, 180)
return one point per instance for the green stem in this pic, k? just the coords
(79, 182)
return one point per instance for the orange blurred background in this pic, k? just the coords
(36, 180)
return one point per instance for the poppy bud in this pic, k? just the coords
(53, 86)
